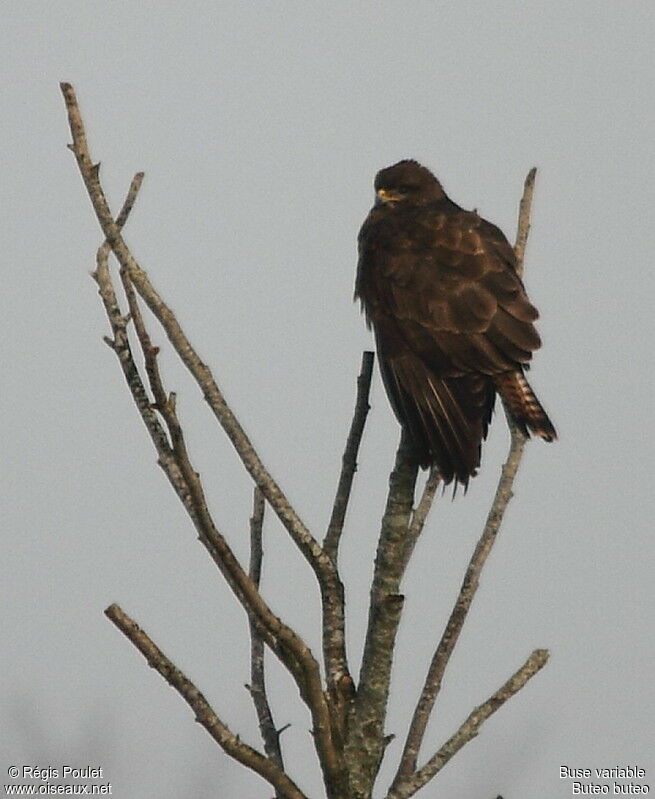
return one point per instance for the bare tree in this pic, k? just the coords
(347, 716)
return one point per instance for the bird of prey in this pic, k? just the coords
(452, 321)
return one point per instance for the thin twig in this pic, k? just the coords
(339, 681)
(467, 592)
(349, 459)
(284, 642)
(523, 229)
(257, 687)
(421, 511)
(130, 199)
(121, 346)
(470, 728)
(205, 715)
(166, 405)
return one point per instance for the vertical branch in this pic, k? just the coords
(523, 227)
(339, 681)
(390, 564)
(366, 742)
(257, 687)
(349, 459)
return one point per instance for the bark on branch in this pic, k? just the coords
(257, 688)
(205, 715)
(283, 641)
(469, 729)
(366, 740)
(320, 562)
(349, 460)
(291, 649)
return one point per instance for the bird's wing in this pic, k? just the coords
(452, 288)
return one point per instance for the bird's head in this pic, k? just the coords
(406, 182)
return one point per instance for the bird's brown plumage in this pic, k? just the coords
(452, 321)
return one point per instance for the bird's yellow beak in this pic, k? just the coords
(386, 196)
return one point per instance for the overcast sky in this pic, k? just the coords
(260, 126)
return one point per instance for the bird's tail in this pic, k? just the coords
(447, 419)
(524, 405)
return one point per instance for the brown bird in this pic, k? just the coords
(453, 324)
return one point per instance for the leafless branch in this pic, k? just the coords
(121, 346)
(340, 683)
(283, 641)
(257, 687)
(293, 652)
(523, 228)
(470, 727)
(174, 460)
(446, 646)
(349, 460)
(420, 514)
(319, 561)
(130, 199)
(401, 528)
(366, 740)
(458, 615)
(199, 370)
(205, 715)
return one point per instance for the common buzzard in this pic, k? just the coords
(453, 324)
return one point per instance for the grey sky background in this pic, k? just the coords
(260, 127)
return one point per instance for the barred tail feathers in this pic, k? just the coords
(523, 404)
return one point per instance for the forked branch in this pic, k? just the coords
(469, 729)
(173, 457)
(319, 561)
(457, 618)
